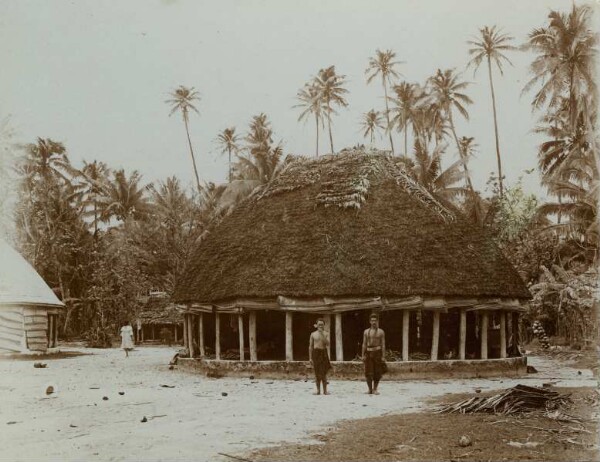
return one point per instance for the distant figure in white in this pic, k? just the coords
(127, 338)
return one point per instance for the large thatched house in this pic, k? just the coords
(28, 307)
(339, 237)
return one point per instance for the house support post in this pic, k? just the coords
(175, 333)
(327, 320)
(50, 330)
(435, 339)
(289, 346)
(252, 335)
(55, 334)
(405, 334)
(502, 334)
(339, 344)
(462, 334)
(191, 334)
(201, 335)
(515, 327)
(484, 334)
(241, 334)
(217, 336)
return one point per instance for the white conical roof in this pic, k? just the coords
(20, 283)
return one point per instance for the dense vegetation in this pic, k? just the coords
(103, 237)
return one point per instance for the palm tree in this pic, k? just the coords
(491, 46)
(331, 90)
(408, 98)
(383, 64)
(182, 99)
(446, 92)
(428, 171)
(228, 140)
(371, 122)
(579, 185)
(95, 175)
(565, 61)
(311, 103)
(46, 160)
(125, 197)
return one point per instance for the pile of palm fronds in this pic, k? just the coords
(514, 400)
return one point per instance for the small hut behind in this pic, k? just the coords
(28, 307)
(339, 237)
(159, 314)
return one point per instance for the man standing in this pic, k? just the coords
(317, 354)
(373, 352)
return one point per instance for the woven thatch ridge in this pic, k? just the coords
(344, 179)
(385, 236)
(160, 311)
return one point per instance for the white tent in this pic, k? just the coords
(28, 307)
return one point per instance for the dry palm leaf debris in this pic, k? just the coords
(514, 400)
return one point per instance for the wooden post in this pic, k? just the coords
(241, 334)
(153, 333)
(339, 344)
(435, 339)
(515, 327)
(289, 346)
(55, 336)
(176, 333)
(252, 335)
(463, 334)
(191, 335)
(502, 334)
(217, 336)
(405, 334)
(185, 330)
(201, 335)
(50, 330)
(142, 334)
(327, 319)
(484, 334)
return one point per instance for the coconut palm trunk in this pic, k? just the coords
(495, 128)
(317, 126)
(405, 137)
(187, 131)
(461, 154)
(387, 115)
(329, 126)
(229, 154)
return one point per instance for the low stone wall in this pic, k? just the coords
(354, 370)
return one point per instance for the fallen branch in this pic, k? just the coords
(234, 457)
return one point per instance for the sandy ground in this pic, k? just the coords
(193, 421)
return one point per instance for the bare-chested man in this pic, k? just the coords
(317, 353)
(373, 352)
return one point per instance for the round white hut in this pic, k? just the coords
(28, 307)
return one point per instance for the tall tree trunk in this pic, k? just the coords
(229, 152)
(463, 156)
(329, 123)
(317, 125)
(387, 115)
(187, 131)
(405, 137)
(496, 128)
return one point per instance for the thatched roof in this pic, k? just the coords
(353, 224)
(160, 311)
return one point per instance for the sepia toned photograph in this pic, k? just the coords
(273, 230)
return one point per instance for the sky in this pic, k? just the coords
(95, 74)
